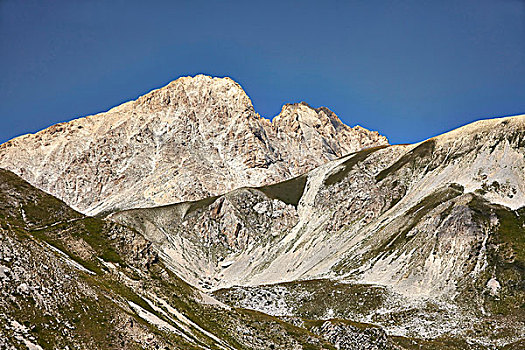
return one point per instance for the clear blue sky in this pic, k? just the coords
(409, 69)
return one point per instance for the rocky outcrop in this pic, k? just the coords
(424, 240)
(344, 212)
(346, 336)
(196, 137)
(305, 136)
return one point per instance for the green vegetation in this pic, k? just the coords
(87, 317)
(505, 257)
(91, 320)
(46, 210)
(93, 234)
(290, 191)
(44, 235)
(91, 231)
(40, 209)
(349, 164)
(412, 158)
(511, 233)
(506, 253)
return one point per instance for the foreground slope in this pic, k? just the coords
(196, 137)
(71, 281)
(436, 226)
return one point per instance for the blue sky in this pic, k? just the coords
(409, 69)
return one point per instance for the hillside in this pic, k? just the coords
(71, 281)
(431, 231)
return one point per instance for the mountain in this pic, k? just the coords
(196, 137)
(218, 229)
(424, 240)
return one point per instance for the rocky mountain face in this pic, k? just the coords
(296, 233)
(424, 240)
(68, 281)
(78, 282)
(196, 137)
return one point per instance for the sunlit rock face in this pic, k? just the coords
(403, 216)
(196, 137)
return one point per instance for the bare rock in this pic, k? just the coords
(196, 137)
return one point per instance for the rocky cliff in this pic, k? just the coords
(68, 281)
(196, 137)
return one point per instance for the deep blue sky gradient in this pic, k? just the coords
(409, 69)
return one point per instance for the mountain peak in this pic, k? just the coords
(194, 90)
(195, 137)
(303, 113)
(271, 213)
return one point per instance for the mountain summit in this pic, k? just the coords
(195, 137)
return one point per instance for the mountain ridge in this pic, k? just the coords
(102, 285)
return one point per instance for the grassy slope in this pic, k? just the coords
(94, 318)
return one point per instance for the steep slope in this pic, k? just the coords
(70, 281)
(196, 137)
(438, 224)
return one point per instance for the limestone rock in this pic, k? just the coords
(196, 137)
(349, 337)
(92, 284)
(430, 222)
